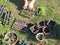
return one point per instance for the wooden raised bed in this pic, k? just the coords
(1, 10)
(19, 24)
(7, 18)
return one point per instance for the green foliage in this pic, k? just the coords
(2, 1)
(0, 23)
(42, 10)
(52, 12)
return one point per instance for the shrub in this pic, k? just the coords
(2, 1)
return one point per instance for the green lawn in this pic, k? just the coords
(53, 13)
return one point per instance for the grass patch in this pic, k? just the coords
(53, 13)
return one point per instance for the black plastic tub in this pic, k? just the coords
(51, 23)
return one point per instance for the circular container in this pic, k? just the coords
(46, 30)
(11, 38)
(40, 36)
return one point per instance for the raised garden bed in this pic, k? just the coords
(27, 14)
(51, 23)
(19, 24)
(7, 18)
(1, 10)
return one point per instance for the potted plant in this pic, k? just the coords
(51, 23)
(46, 30)
(40, 36)
(34, 29)
(10, 38)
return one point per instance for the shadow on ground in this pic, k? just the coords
(18, 3)
(55, 33)
(28, 33)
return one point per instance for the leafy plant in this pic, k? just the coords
(42, 10)
(2, 1)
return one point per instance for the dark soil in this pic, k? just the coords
(47, 30)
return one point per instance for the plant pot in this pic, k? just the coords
(40, 30)
(42, 23)
(40, 37)
(47, 30)
(51, 23)
(34, 29)
(12, 38)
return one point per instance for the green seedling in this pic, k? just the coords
(42, 10)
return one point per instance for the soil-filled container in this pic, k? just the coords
(51, 23)
(34, 29)
(40, 30)
(46, 30)
(42, 23)
(40, 36)
(10, 38)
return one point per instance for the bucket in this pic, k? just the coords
(34, 29)
(47, 30)
(51, 23)
(40, 36)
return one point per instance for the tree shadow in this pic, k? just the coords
(18, 3)
(28, 33)
(55, 34)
